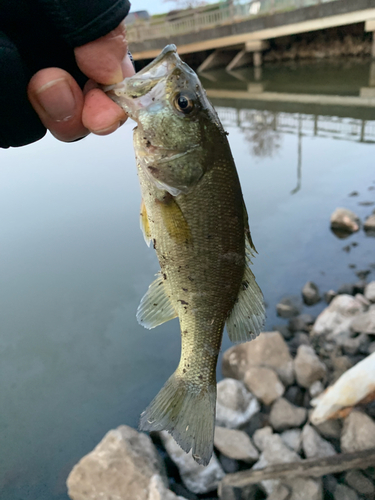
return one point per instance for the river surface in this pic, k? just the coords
(74, 363)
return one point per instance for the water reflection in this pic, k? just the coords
(264, 110)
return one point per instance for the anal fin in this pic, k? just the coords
(155, 307)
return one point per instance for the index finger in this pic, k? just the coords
(105, 60)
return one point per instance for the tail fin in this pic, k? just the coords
(187, 412)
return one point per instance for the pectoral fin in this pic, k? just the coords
(174, 220)
(246, 319)
(145, 226)
(155, 307)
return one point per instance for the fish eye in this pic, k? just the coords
(183, 102)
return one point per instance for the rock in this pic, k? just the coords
(275, 452)
(195, 477)
(229, 465)
(355, 345)
(316, 388)
(260, 437)
(365, 322)
(360, 483)
(330, 429)
(329, 296)
(289, 306)
(235, 405)
(235, 444)
(125, 464)
(370, 291)
(295, 395)
(284, 330)
(300, 338)
(354, 386)
(369, 225)
(343, 492)
(358, 432)
(179, 489)
(345, 220)
(337, 317)
(363, 273)
(281, 492)
(310, 293)
(329, 484)
(269, 350)
(359, 287)
(264, 384)
(305, 488)
(301, 323)
(362, 299)
(308, 367)
(371, 348)
(314, 445)
(346, 289)
(284, 415)
(293, 439)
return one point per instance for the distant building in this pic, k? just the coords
(136, 16)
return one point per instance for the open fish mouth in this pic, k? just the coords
(145, 87)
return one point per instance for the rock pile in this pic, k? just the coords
(267, 409)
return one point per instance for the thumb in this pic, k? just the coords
(105, 60)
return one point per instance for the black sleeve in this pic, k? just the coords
(37, 34)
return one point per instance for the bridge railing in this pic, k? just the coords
(195, 20)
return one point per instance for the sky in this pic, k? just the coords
(153, 6)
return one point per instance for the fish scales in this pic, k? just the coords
(194, 215)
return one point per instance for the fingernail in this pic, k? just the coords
(57, 100)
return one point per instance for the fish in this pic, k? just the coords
(194, 216)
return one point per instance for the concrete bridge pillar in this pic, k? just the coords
(370, 27)
(252, 50)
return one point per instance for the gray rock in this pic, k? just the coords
(195, 477)
(229, 465)
(305, 488)
(369, 225)
(293, 439)
(289, 306)
(308, 367)
(263, 383)
(300, 338)
(365, 322)
(235, 404)
(301, 323)
(329, 296)
(343, 492)
(269, 350)
(346, 289)
(370, 291)
(235, 444)
(337, 317)
(125, 464)
(358, 432)
(314, 445)
(275, 452)
(281, 492)
(360, 483)
(285, 415)
(329, 484)
(354, 345)
(330, 429)
(345, 220)
(261, 436)
(295, 395)
(284, 330)
(310, 293)
(316, 388)
(361, 298)
(371, 348)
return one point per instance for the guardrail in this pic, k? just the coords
(194, 20)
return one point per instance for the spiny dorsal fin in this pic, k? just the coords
(155, 307)
(246, 320)
(143, 222)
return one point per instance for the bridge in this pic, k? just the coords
(241, 32)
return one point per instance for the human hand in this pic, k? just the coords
(67, 111)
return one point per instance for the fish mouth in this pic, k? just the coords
(131, 94)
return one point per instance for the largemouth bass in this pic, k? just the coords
(194, 215)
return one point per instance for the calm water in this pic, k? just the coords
(74, 363)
